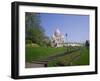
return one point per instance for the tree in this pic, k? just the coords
(47, 41)
(34, 31)
(87, 43)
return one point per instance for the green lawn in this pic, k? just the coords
(84, 57)
(80, 57)
(36, 53)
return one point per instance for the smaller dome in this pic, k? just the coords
(53, 36)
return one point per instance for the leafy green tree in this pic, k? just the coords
(34, 31)
(87, 43)
(47, 41)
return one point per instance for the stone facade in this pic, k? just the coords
(57, 39)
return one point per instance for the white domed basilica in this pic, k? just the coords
(57, 39)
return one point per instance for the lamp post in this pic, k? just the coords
(66, 41)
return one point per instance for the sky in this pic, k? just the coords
(76, 26)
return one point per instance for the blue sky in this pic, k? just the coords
(76, 26)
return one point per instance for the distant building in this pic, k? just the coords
(57, 39)
(73, 44)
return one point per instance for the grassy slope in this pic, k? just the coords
(83, 59)
(35, 53)
(65, 60)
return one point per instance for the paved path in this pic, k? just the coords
(33, 65)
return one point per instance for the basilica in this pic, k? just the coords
(57, 39)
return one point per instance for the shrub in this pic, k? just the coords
(28, 42)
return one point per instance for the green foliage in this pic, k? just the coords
(47, 41)
(87, 43)
(28, 42)
(34, 31)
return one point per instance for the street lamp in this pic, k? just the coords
(66, 41)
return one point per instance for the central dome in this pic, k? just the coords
(57, 32)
